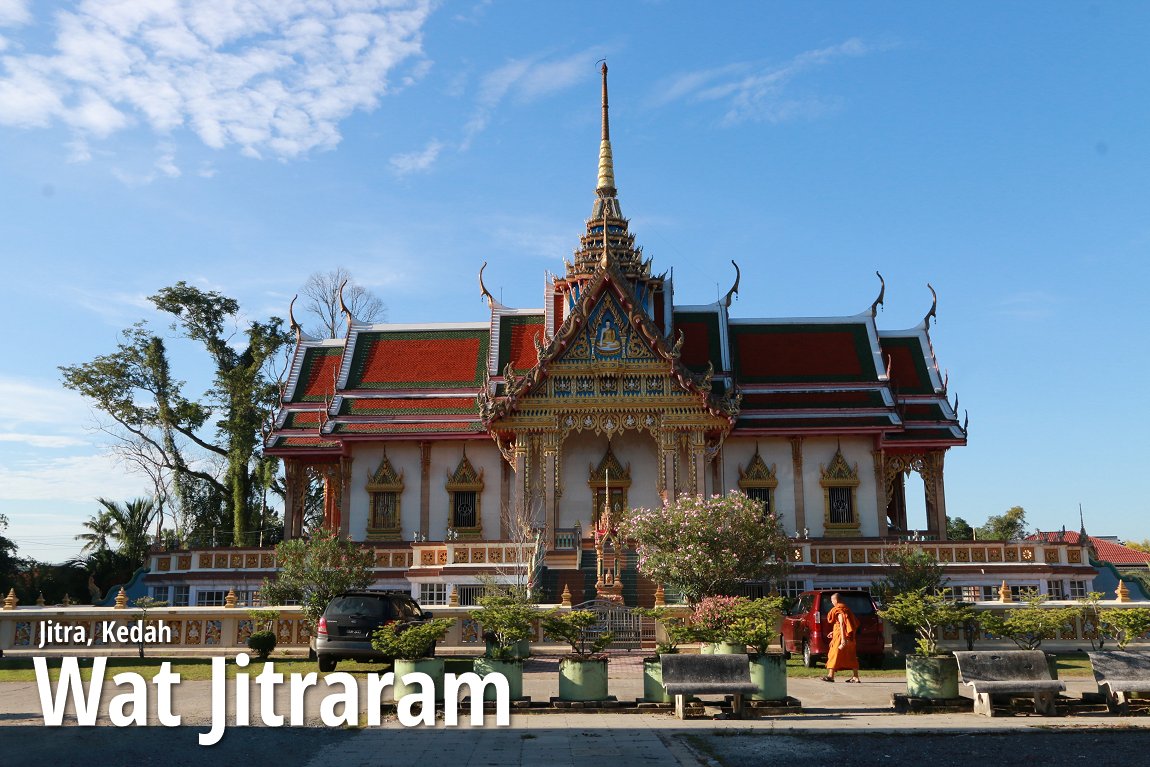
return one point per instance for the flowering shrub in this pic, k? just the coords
(705, 546)
(712, 617)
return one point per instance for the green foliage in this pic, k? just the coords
(410, 641)
(1090, 615)
(907, 569)
(711, 618)
(172, 435)
(925, 613)
(702, 546)
(9, 563)
(127, 524)
(958, 529)
(755, 622)
(264, 620)
(145, 604)
(262, 643)
(508, 618)
(1008, 526)
(1125, 625)
(1028, 626)
(1142, 545)
(677, 628)
(314, 570)
(576, 628)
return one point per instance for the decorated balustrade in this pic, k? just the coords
(824, 552)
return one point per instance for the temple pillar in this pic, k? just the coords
(424, 489)
(550, 460)
(345, 465)
(797, 474)
(881, 501)
(668, 463)
(295, 498)
(505, 500)
(937, 504)
(697, 455)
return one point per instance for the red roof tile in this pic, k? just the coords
(802, 353)
(1107, 551)
(419, 359)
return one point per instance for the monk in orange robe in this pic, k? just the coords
(841, 654)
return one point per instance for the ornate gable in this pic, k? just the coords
(385, 479)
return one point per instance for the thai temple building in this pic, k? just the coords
(503, 447)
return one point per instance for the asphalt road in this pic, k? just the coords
(823, 749)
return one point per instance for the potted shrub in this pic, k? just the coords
(676, 630)
(929, 673)
(508, 622)
(756, 623)
(907, 569)
(263, 639)
(412, 645)
(1027, 626)
(583, 673)
(711, 620)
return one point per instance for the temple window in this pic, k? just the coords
(758, 482)
(385, 489)
(465, 486)
(840, 484)
(609, 480)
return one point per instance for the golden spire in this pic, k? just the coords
(606, 186)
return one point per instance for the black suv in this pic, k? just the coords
(344, 631)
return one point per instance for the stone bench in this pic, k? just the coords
(1009, 672)
(1119, 674)
(686, 675)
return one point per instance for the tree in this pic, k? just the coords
(129, 523)
(1126, 625)
(314, 570)
(100, 531)
(157, 425)
(9, 563)
(908, 569)
(1142, 545)
(1008, 526)
(707, 546)
(1028, 626)
(958, 529)
(322, 299)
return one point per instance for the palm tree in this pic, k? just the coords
(100, 529)
(131, 521)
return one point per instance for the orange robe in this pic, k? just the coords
(843, 623)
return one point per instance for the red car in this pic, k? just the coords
(806, 631)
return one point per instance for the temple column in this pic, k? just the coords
(697, 452)
(550, 480)
(668, 463)
(505, 500)
(880, 490)
(424, 488)
(345, 464)
(797, 475)
(938, 517)
(295, 496)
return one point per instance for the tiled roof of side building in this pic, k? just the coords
(404, 406)
(816, 351)
(421, 358)
(517, 334)
(1107, 551)
(317, 376)
(908, 363)
(702, 343)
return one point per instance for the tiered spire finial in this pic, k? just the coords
(606, 185)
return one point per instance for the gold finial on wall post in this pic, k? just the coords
(1004, 593)
(121, 600)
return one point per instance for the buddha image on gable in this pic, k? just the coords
(608, 342)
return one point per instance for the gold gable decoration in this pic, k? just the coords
(609, 472)
(758, 474)
(465, 477)
(385, 478)
(839, 470)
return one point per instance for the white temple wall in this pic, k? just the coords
(775, 451)
(817, 455)
(582, 450)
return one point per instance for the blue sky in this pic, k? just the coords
(998, 151)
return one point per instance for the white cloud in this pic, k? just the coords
(44, 407)
(14, 13)
(1028, 305)
(754, 92)
(271, 77)
(411, 162)
(76, 478)
(526, 80)
(41, 440)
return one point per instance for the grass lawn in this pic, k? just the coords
(1070, 665)
(196, 669)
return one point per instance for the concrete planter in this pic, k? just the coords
(433, 667)
(723, 648)
(583, 679)
(511, 669)
(519, 650)
(653, 689)
(933, 677)
(769, 674)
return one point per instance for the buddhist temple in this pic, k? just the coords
(502, 447)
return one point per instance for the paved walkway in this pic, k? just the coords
(564, 739)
